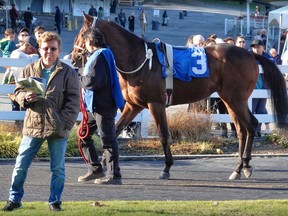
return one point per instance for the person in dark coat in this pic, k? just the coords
(122, 18)
(28, 17)
(14, 15)
(102, 97)
(92, 11)
(131, 21)
(58, 19)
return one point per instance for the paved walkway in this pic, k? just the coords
(196, 179)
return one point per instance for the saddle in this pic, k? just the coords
(181, 63)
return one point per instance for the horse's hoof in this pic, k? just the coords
(164, 175)
(235, 176)
(247, 172)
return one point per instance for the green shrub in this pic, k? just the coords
(279, 138)
(11, 136)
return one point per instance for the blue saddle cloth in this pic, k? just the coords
(187, 63)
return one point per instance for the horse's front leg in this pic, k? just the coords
(159, 114)
(129, 112)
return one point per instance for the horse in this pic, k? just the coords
(233, 75)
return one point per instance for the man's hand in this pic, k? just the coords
(30, 97)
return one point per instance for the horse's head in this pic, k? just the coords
(78, 55)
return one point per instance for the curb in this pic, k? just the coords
(161, 157)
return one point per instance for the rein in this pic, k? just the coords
(149, 55)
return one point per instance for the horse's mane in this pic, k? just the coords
(125, 32)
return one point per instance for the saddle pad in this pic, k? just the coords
(187, 63)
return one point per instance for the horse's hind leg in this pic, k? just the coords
(129, 112)
(159, 114)
(246, 124)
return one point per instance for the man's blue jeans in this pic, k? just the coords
(27, 151)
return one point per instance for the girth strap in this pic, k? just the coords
(169, 73)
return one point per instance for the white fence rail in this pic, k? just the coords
(234, 27)
(144, 117)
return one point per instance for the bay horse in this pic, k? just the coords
(233, 75)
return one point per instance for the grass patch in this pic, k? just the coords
(151, 208)
(11, 136)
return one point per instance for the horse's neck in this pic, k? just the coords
(127, 50)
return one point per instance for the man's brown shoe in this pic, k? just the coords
(91, 176)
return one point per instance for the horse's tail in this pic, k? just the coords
(275, 81)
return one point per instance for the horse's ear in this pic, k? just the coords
(87, 17)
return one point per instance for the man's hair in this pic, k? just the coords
(8, 32)
(228, 39)
(39, 28)
(238, 37)
(95, 36)
(50, 36)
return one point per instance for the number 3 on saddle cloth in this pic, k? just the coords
(187, 62)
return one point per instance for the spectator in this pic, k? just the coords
(27, 49)
(58, 19)
(258, 35)
(143, 18)
(28, 17)
(122, 18)
(47, 119)
(257, 11)
(8, 43)
(259, 104)
(229, 40)
(198, 40)
(131, 21)
(263, 36)
(38, 31)
(24, 32)
(113, 6)
(240, 42)
(14, 15)
(100, 12)
(275, 56)
(92, 11)
(189, 41)
(219, 40)
(165, 18)
(102, 97)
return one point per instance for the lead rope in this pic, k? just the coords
(84, 124)
(84, 121)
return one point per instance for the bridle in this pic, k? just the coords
(148, 55)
